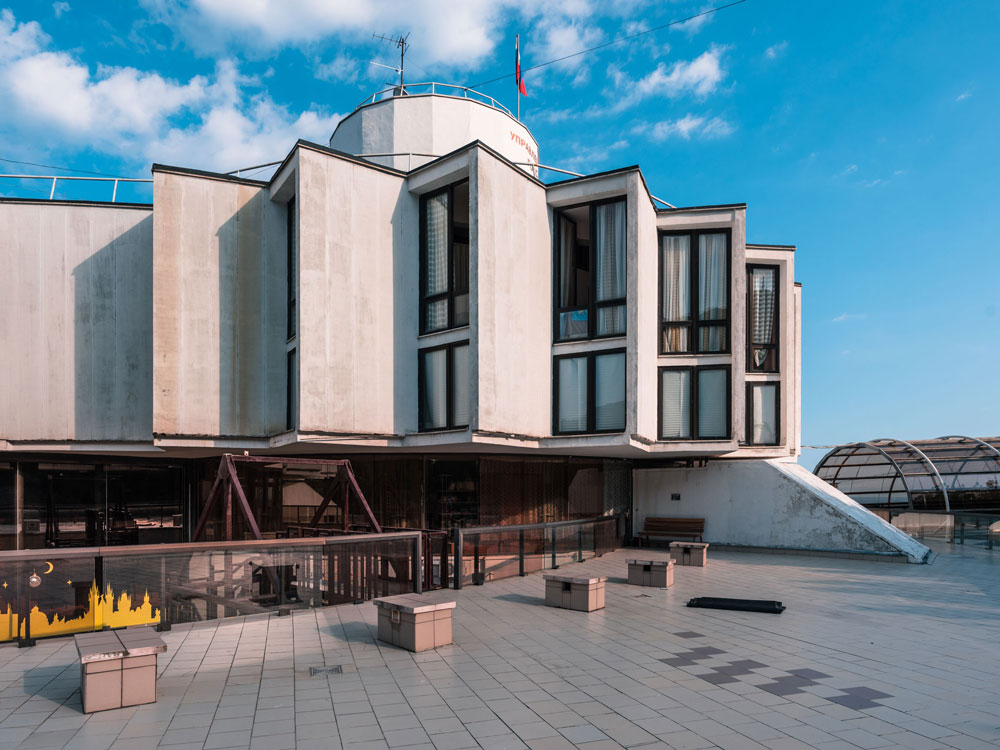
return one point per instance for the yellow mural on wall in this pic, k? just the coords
(103, 610)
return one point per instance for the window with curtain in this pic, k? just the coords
(762, 413)
(713, 402)
(591, 272)
(444, 258)
(694, 403)
(675, 286)
(694, 292)
(443, 381)
(675, 404)
(590, 392)
(762, 313)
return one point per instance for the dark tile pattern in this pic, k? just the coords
(792, 683)
(689, 634)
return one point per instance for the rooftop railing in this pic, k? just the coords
(56, 178)
(64, 591)
(441, 89)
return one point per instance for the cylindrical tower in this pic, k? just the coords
(404, 128)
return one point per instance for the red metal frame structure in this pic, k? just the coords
(227, 481)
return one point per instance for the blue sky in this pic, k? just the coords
(865, 133)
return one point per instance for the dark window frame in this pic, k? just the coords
(751, 384)
(694, 325)
(590, 356)
(450, 293)
(291, 270)
(594, 305)
(693, 403)
(291, 388)
(449, 387)
(776, 346)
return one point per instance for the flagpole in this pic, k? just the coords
(517, 84)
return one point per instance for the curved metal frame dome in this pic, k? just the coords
(954, 472)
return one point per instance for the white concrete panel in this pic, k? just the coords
(352, 222)
(80, 283)
(774, 503)
(512, 259)
(219, 301)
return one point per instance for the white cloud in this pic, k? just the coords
(18, 40)
(341, 68)
(698, 77)
(694, 25)
(691, 126)
(461, 33)
(845, 316)
(219, 122)
(963, 96)
(60, 8)
(848, 170)
(775, 50)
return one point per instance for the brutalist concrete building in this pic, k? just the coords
(485, 347)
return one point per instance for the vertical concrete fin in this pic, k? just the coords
(840, 503)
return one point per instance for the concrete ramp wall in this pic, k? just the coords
(771, 504)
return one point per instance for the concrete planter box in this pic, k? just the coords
(689, 553)
(411, 622)
(657, 573)
(569, 592)
(118, 668)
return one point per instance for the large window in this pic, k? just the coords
(694, 292)
(444, 258)
(589, 392)
(590, 271)
(694, 403)
(762, 318)
(763, 410)
(291, 259)
(291, 389)
(443, 381)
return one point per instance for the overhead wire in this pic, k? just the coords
(613, 42)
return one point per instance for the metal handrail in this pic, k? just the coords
(416, 89)
(54, 178)
(184, 547)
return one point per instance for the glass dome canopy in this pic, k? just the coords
(948, 473)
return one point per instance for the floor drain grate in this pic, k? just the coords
(337, 669)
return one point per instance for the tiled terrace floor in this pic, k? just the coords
(867, 655)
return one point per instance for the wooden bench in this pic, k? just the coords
(412, 622)
(672, 528)
(574, 592)
(118, 667)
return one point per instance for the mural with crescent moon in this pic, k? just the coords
(103, 609)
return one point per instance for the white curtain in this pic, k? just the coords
(764, 414)
(675, 404)
(609, 391)
(676, 264)
(713, 403)
(436, 258)
(712, 257)
(610, 239)
(763, 305)
(573, 394)
(434, 399)
(461, 407)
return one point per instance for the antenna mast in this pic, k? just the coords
(403, 45)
